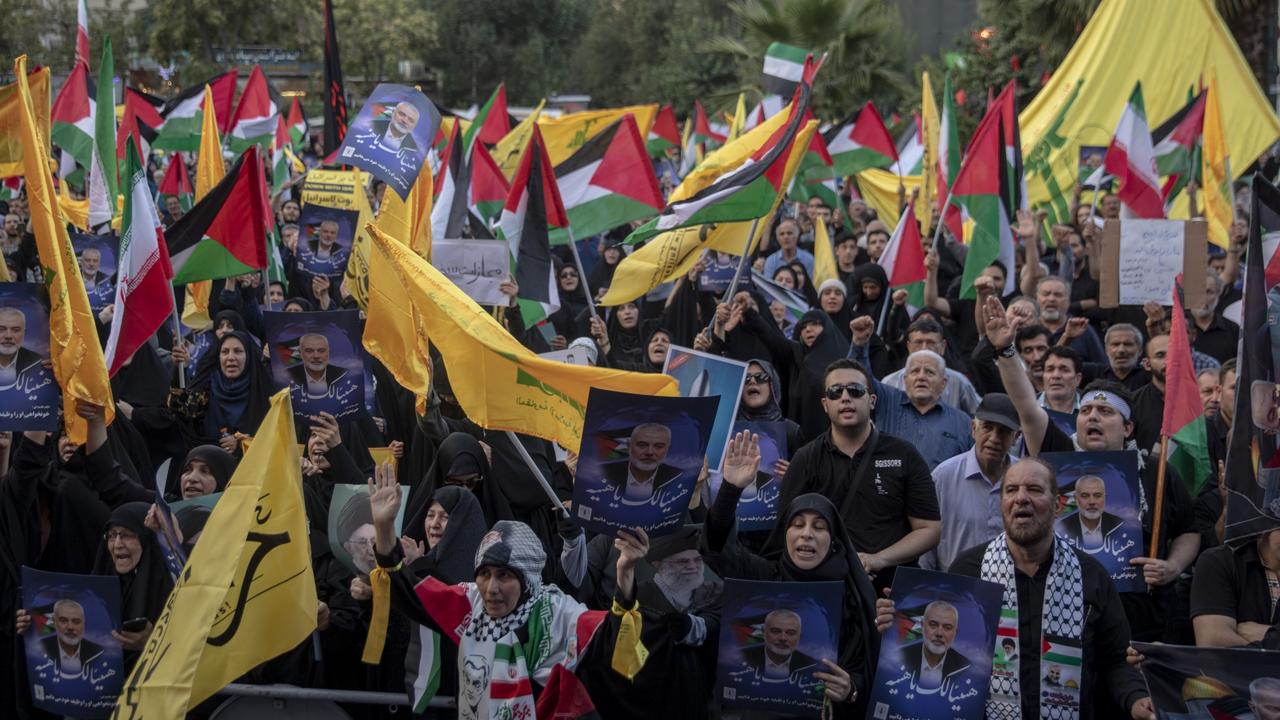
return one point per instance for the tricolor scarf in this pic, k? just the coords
(1062, 626)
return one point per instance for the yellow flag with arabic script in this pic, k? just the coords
(509, 149)
(11, 115)
(824, 255)
(565, 134)
(929, 129)
(1215, 169)
(247, 593)
(74, 351)
(501, 384)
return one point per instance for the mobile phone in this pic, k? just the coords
(134, 625)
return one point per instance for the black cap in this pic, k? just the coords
(999, 409)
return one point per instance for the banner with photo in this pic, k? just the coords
(30, 398)
(639, 460)
(1202, 683)
(318, 356)
(758, 506)
(704, 375)
(936, 657)
(391, 136)
(1099, 499)
(325, 236)
(74, 666)
(97, 256)
(350, 526)
(773, 638)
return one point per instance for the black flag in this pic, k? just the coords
(335, 97)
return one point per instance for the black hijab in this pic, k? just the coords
(573, 305)
(806, 396)
(459, 454)
(144, 589)
(859, 303)
(239, 404)
(651, 366)
(144, 381)
(772, 411)
(626, 346)
(222, 464)
(452, 560)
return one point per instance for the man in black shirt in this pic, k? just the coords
(879, 483)
(1214, 335)
(1232, 604)
(1148, 400)
(1046, 584)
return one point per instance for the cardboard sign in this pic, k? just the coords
(477, 267)
(1140, 259)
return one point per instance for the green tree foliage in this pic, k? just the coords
(186, 33)
(373, 37)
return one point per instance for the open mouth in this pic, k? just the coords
(804, 551)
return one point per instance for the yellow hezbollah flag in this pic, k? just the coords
(508, 150)
(674, 253)
(1215, 169)
(879, 190)
(210, 169)
(929, 128)
(501, 384)
(729, 157)
(824, 256)
(74, 211)
(247, 593)
(11, 116)
(564, 135)
(73, 335)
(393, 332)
(739, 121)
(1089, 89)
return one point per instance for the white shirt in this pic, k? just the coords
(69, 664)
(1090, 540)
(9, 373)
(316, 388)
(390, 141)
(777, 671)
(930, 677)
(638, 491)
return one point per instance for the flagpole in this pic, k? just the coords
(177, 336)
(737, 274)
(533, 468)
(942, 216)
(582, 275)
(1160, 476)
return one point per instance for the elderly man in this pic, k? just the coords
(1089, 528)
(926, 334)
(315, 375)
(395, 133)
(1123, 343)
(639, 479)
(20, 368)
(917, 414)
(778, 660)
(1264, 698)
(1053, 295)
(788, 235)
(67, 648)
(1054, 596)
(932, 663)
(1214, 335)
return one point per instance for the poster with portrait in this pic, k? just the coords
(197, 343)
(97, 257)
(639, 460)
(1203, 683)
(701, 374)
(74, 666)
(1091, 160)
(773, 638)
(391, 136)
(758, 506)
(1099, 496)
(936, 658)
(350, 527)
(30, 398)
(325, 236)
(318, 356)
(718, 273)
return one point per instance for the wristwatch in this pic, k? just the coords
(1008, 351)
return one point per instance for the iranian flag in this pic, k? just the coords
(254, 121)
(1132, 159)
(225, 234)
(297, 122)
(979, 191)
(1176, 146)
(815, 176)
(1183, 421)
(184, 114)
(664, 134)
(949, 155)
(488, 187)
(72, 117)
(532, 210)
(903, 258)
(862, 143)
(491, 123)
(177, 183)
(608, 182)
(144, 297)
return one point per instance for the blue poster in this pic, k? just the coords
(719, 272)
(325, 238)
(773, 638)
(1098, 501)
(30, 398)
(936, 657)
(197, 343)
(758, 506)
(97, 256)
(639, 460)
(391, 136)
(318, 356)
(703, 375)
(74, 666)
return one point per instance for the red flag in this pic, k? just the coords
(565, 698)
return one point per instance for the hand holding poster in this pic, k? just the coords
(936, 657)
(97, 256)
(391, 136)
(758, 506)
(318, 356)
(773, 638)
(74, 665)
(477, 267)
(325, 239)
(30, 398)
(639, 460)
(704, 375)
(1098, 510)
(1201, 683)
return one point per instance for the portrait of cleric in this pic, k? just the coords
(29, 394)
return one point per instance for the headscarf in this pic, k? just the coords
(143, 590)
(650, 366)
(457, 451)
(449, 560)
(301, 302)
(859, 304)
(514, 546)
(222, 464)
(626, 347)
(800, 271)
(806, 393)
(231, 316)
(573, 305)
(602, 274)
(144, 382)
(840, 318)
(772, 411)
(240, 403)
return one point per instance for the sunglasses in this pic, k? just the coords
(856, 390)
(760, 378)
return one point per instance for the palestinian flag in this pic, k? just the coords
(491, 123)
(1013, 183)
(297, 123)
(1183, 410)
(104, 174)
(11, 187)
(815, 176)
(488, 187)
(949, 155)
(141, 120)
(700, 142)
(783, 69)
(1132, 160)
(608, 182)
(280, 143)
(565, 698)
(275, 260)
(980, 191)
(82, 34)
(254, 122)
(177, 183)
(72, 117)
(664, 134)
(858, 144)
(448, 206)
(1176, 146)
(910, 146)
(184, 113)
(793, 301)
(225, 234)
(903, 258)
(746, 192)
(532, 210)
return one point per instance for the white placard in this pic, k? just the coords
(1151, 256)
(477, 267)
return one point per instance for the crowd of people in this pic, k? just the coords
(915, 437)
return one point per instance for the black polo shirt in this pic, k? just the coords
(1219, 341)
(1148, 416)
(1103, 642)
(1233, 583)
(1135, 380)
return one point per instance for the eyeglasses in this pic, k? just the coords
(760, 378)
(856, 390)
(114, 535)
(568, 275)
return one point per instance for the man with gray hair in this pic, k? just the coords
(639, 479)
(778, 659)
(17, 363)
(1264, 698)
(932, 663)
(1123, 343)
(1213, 334)
(70, 652)
(314, 374)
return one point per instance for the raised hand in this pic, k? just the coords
(742, 459)
(384, 496)
(1075, 328)
(862, 328)
(999, 332)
